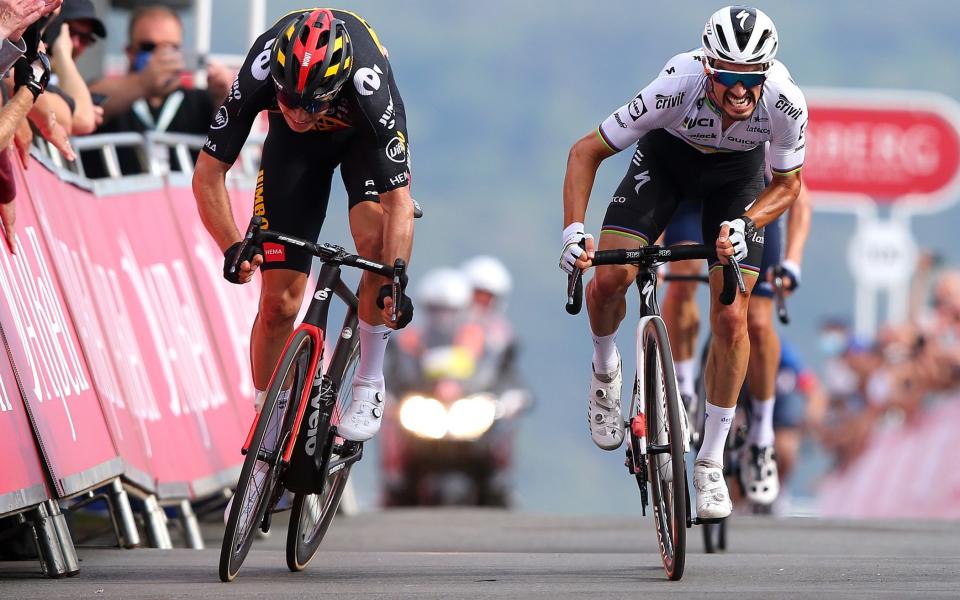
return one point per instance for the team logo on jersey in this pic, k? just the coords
(220, 119)
(637, 108)
(671, 71)
(397, 149)
(367, 80)
(757, 129)
(386, 119)
(690, 122)
(669, 101)
(260, 67)
(786, 107)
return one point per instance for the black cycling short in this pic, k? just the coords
(685, 227)
(665, 170)
(293, 186)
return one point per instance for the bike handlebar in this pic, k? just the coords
(649, 255)
(328, 253)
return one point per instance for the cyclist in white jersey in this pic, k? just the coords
(700, 128)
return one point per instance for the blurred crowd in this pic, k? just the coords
(892, 377)
(45, 94)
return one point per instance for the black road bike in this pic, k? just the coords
(293, 442)
(656, 426)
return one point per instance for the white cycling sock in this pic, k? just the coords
(606, 359)
(373, 345)
(686, 377)
(761, 428)
(716, 424)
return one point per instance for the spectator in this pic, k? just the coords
(72, 33)
(15, 17)
(150, 97)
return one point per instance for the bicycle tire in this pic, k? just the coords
(311, 514)
(669, 497)
(236, 539)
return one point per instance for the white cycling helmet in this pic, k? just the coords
(488, 274)
(444, 288)
(740, 35)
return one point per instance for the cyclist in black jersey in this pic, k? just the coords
(699, 130)
(329, 90)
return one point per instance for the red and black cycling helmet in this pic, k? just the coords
(311, 60)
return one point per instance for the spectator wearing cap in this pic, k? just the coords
(150, 97)
(73, 32)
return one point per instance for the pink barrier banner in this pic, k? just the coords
(22, 479)
(229, 309)
(52, 375)
(907, 470)
(115, 366)
(150, 308)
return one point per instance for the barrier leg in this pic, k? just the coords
(127, 534)
(191, 529)
(58, 558)
(155, 521)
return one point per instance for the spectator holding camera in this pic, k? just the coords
(150, 97)
(68, 37)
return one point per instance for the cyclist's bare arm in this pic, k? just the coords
(213, 201)
(775, 199)
(798, 226)
(397, 224)
(582, 164)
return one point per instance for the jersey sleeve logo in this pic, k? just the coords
(787, 107)
(220, 119)
(669, 101)
(637, 108)
(367, 80)
(397, 149)
(260, 67)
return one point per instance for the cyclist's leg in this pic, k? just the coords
(292, 191)
(362, 418)
(737, 179)
(637, 214)
(680, 311)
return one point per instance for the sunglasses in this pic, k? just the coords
(149, 47)
(729, 79)
(310, 105)
(87, 39)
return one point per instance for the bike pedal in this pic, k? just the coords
(699, 521)
(265, 524)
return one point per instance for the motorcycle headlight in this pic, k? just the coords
(424, 417)
(471, 417)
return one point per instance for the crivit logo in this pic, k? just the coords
(274, 252)
(313, 420)
(637, 108)
(669, 101)
(786, 107)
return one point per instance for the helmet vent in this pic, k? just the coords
(722, 39)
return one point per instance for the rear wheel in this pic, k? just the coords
(312, 513)
(665, 456)
(261, 468)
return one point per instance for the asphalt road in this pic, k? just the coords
(494, 554)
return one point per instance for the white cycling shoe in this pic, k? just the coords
(361, 420)
(759, 475)
(713, 499)
(603, 409)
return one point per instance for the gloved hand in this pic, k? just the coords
(404, 303)
(739, 230)
(790, 271)
(33, 74)
(232, 257)
(574, 242)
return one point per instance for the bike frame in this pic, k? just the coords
(315, 325)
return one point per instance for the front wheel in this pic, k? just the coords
(261, 468)
(312, 513)
(665, 456)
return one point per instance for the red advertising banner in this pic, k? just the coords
(58, 205)
(53, 377)
(22, 480)
(141, 272)
(888, 146)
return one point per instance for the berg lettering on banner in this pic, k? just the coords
(5, 405)
(53, 359)
(179, 336)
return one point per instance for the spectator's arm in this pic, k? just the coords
(159, 77)
(71, 82)
(12, 114)
(46, 116)
(218, 82)
(121, 93)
